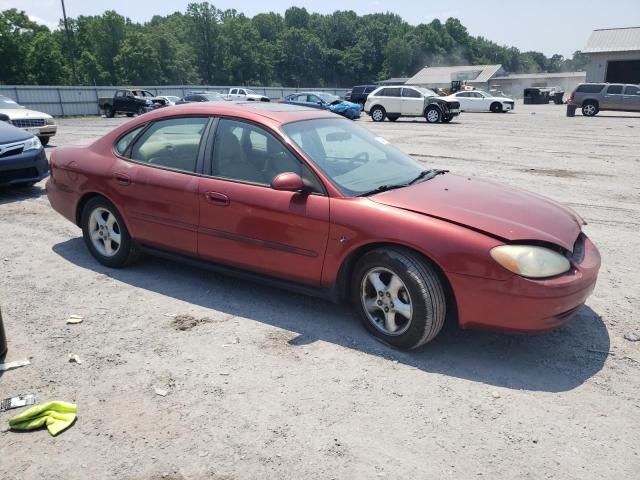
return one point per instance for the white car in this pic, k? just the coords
(240, 93)
(167, 100)
(39, 124)
(480, 101)
(404, 101)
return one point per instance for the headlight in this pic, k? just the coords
(49, 121)
(32, 144)
(530, 261)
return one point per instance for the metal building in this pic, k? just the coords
(441, 77)
(614, 55)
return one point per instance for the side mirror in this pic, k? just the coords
(289, 182)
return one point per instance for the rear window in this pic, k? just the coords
(125, 141)
(590, 88)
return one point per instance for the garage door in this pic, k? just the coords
(627, 71)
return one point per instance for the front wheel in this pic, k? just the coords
(140, 111)
(446, 118)
(378, 114)
(496, 107)
(106, 235)
(399, 297)
(109, 112)
(433, 115)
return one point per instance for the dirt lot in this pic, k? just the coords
(266, 384)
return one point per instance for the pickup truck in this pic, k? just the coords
(130, 101)
(241, 93)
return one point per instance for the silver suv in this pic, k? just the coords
(594, 97)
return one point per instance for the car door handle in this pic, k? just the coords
(217, 198)
(122, 179)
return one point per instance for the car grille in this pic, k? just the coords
(453, 104)
(13, 150)
(28, 122)
(18, 174)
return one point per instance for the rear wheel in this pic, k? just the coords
(378, 114)
(106, 235)
(399, 297)
(130, 114)
(496, 107)
(590, 108)
(140, 111)
(433, 114)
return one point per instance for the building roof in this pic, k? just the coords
(444, 75)
(525, 76)
(614, 40)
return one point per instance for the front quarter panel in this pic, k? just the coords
(358, 222)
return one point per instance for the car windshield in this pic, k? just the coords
(426, 92)
(7, 103)
(355, 160)
(327, 97)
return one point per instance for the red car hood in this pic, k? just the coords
(493, 208)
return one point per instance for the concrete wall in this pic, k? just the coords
(514, 87)
(70, 101)
(597, 67)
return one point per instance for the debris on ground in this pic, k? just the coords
(187, 322)
(57, 416)
(17, 402)
(162, 392)
(15, 364)
(632, 337)
(74, 359)
(73, 319)
(495, 395)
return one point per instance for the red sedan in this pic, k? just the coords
(306, 200)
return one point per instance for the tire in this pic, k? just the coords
(496, 107)
(393, 118)
(44, 141)
(433, 114)
(109, 112)
(140, 111)
(361, 106)
(129, 114)
(378, 114)
(420, 293)
(590, 108)
(446, 118)
(125, 251)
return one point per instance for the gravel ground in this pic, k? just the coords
(266, 384)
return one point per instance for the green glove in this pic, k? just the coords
(57, 416)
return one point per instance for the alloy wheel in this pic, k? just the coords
(386, 301)
(104, 232)
(433, 116)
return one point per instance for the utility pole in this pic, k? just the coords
(70, 45)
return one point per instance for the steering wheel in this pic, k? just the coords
(362, 157)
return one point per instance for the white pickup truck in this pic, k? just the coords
(241, 93)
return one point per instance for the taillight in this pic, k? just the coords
(573, 95)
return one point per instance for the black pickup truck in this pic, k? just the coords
(130, 101)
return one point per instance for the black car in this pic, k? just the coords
(22, 158)
(359, 94)
(201, 97)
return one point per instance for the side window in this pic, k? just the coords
(313, 99)
(358, 90)
(171, 143)
(590, 88)
(392, 92)
(410, 93)
(120, 93)
(614, 90)
(248, 153)
(631, 90)
(369, 89)
(233, 91)
(122, 144)
(241, 91)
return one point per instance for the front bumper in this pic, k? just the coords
(26, 167)
(44, 131)
(526, 305)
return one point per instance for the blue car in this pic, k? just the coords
(22, 158)
(324, 101)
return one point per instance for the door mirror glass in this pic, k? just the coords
(288, 181)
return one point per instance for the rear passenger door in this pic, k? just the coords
(392, 101)
(155, 182)
(613, 98)
(632, 98)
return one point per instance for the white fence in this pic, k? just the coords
(69, 101)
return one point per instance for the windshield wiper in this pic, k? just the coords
(427, 175)
(382, 188)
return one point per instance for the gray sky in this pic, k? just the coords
(560, 26)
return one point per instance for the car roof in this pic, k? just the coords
(263, 112)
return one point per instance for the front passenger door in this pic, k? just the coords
(412, 102)
(247, 224)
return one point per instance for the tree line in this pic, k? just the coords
(206, 45)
